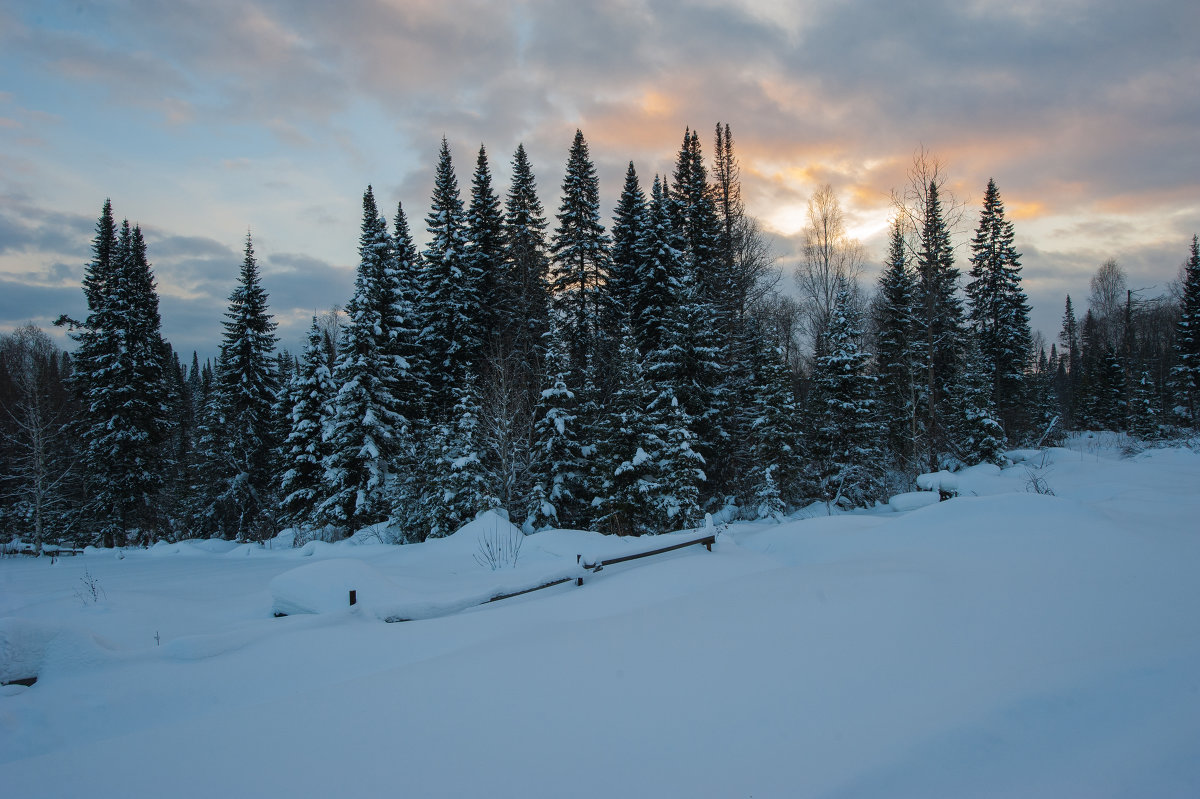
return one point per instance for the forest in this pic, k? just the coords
(627, 379)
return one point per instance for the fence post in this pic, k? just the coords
(353, 597)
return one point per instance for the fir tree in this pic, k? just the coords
(309, 394)
(1186, 374)
(627, 480)
(727, 197)
(458, 489)
(999, 310)
(978, 436)
(895, 323)
(656, 287)
(1071, 365)
(628, 232)
(678, 465)
(526, 302)
(849, 461)
(367, 427)
(579, 249)
(939, 326)
(404, 329)
(685, 368)
(775, 442)
(1142, 409)
(558, 460)
(450, 294)
(247, 387)
(486, 250)
(120, 372)
(696, 220)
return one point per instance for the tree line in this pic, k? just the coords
(627, 379)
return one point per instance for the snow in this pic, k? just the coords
(1001, 643)
(913, 500)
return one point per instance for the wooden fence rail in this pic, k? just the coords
(706, 541)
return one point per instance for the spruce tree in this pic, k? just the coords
(847, 433)
(627, 479)
(120, 373)
(775, 441)
(1071, 366)
(367, 427)
(1143, 409)
(897, 366)
(696, 220)
(457, 485)
(978, 436)
(309, 395)
(999, 311)
(579, 249)
(486, 250)
(404, 329)
(939, 326)
(1186, 374)
(558, 461)
(526, 300)
(678, 464)
(685, 370)
(450, 307)
(628, 231)
(657, 285)
(247, 387)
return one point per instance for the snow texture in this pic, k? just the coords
(1000, 643)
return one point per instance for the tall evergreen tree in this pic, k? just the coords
(727, 198)
(579, 249)
(628, 231)
(450, 294)
(367, 426)
(678, 464)
(486, 250)
(978, 436)
(247, 386)
(658, 284)
(526, 302)
(558, 461)
(846, 437)
(1186, 374)
(775, 441)
(1072, 365)
(121, 376)
(626, 475)
(701, 231)
(309, 395)
(457, 485)
(404, 329)
(939, 324)
(685, 369)
(999, 311)
(897, 368)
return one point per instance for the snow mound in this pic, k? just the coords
(486, 524)
(194, 546)
(23, 648)
(325, 586)
(32, 649)
(913, 500)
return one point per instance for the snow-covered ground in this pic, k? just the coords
(1004, 643)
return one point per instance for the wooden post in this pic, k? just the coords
(353, 597)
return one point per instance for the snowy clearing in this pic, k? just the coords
(1003, 643)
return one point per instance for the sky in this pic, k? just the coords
(203, 120)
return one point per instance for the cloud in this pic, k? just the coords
(276, 113)
(25, 228)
